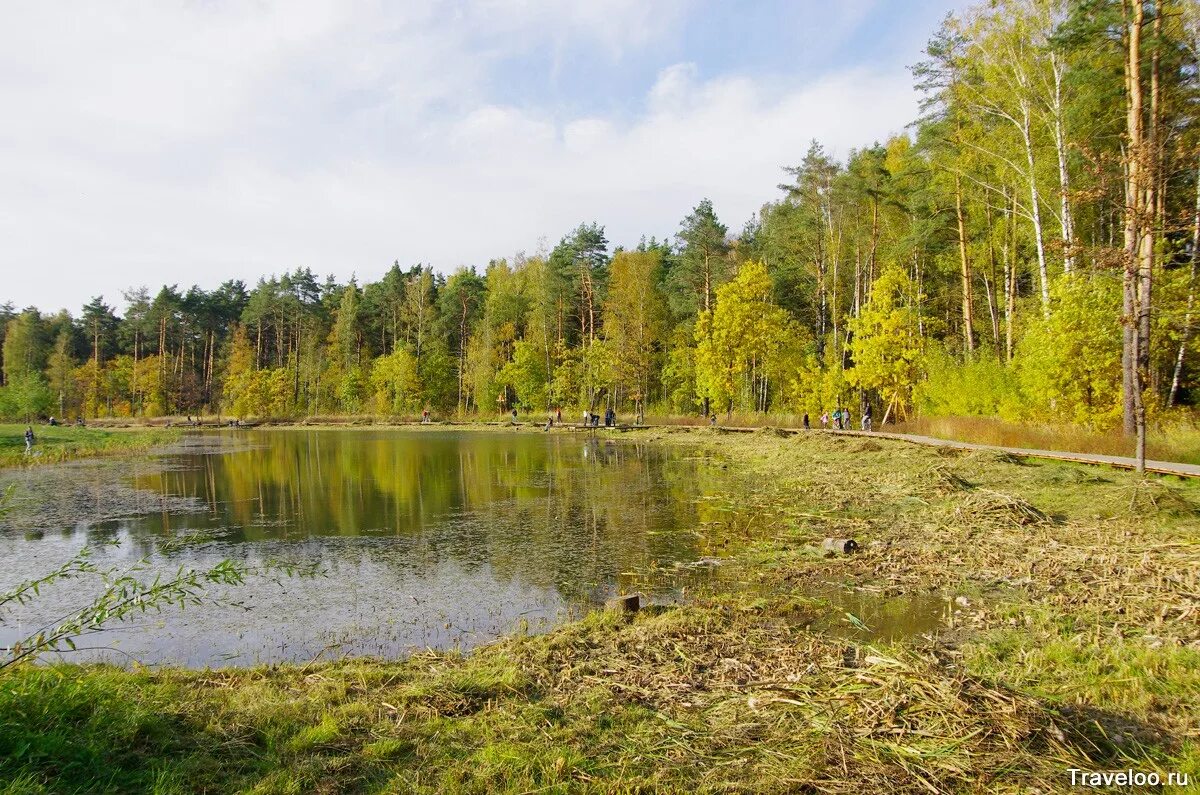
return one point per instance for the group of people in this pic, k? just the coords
(592, 419)
(841, 419)
(551, 419)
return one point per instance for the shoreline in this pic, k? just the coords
(1156, 467)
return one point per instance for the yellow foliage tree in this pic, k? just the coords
(740, 343)
(887, 341)
(394, 382)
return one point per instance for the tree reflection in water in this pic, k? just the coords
(428, 539)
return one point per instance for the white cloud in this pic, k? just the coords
(151, 143)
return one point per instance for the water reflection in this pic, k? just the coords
(427, 539)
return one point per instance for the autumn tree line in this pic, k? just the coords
(1026, 249)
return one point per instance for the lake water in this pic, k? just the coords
(426, 539)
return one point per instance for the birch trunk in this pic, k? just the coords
(968, 301)
(1035, 211)
(1186, 333)
(1064, 176)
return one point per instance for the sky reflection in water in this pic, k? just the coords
(426, 539)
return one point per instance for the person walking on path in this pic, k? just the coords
(806, 420)
(514, 415)
(28, 439)
(824, 420)
(866, 418)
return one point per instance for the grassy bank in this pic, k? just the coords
(1068, 635)
(59, 443)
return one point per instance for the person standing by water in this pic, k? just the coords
(28, 439)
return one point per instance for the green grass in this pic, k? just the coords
(61, 443)
(1073, 642)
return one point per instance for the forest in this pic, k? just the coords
(1026, 249)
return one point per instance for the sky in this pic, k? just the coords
(193, 141)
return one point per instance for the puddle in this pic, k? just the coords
(866, 615)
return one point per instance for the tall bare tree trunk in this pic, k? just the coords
(835, 248)
(1186, 334)
(874, 243)
(1064, 177)
(857, 280)
(989, 285)
(1010, 274)
(968, 297)
(822, 305)
(1035, 207)
(1149, 172)
(133, 386)
(1135, 195)
(919, 278)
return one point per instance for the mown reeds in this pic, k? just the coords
(706, 698)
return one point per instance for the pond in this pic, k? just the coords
(424, 539)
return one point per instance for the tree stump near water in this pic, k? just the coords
(630, 603)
